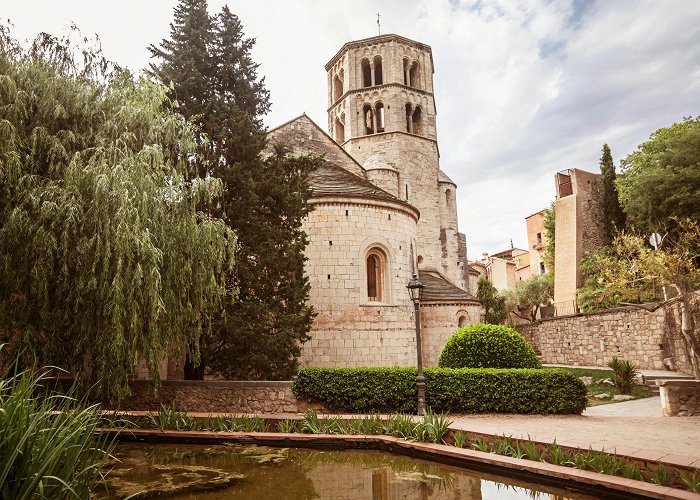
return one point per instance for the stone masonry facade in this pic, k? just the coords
(649, 339)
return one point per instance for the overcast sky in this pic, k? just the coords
(523, 88)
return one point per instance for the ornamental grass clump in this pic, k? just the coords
(624, 375)
(48, 446)
(487, 346)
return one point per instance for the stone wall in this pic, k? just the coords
(350, 330)
(439, 322)
(680, 398)
(649, 339)
(217, 396)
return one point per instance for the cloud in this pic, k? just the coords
(523, 88)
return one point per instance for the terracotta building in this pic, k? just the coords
(382, 211)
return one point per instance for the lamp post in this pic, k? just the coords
(415, 290)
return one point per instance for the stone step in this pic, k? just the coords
(650, 380)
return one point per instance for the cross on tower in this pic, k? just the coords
(379, 27)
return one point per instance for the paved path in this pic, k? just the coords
(646, 407)
(633, 428)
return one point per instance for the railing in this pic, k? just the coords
(566, 308)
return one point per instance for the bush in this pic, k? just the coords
(624, 375)
(485, 390)
(487, 346)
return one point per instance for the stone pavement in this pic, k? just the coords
(634, 428)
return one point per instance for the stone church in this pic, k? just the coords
(382, 210)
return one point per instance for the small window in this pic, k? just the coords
(463, 321)
(376, 275)
(417, 122)
(539, 238)
(414, 75)
(368, 119)
(379, 114)
(340, 129)
(448, 197)
(378, 77)
(338, 87)
(366, 73)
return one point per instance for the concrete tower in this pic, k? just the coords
(381, 110)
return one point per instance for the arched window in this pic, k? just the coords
(463, 321)
(407, 72)
(379, 114)
(409, 118)
(417, 122)
(340, 129)
(368, 119)
(338, 86)
(378, 78)
(366, 73)
(376, 275)
(448, 197)
(414, 75)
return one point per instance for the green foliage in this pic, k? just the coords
(624, 375)
(661, 181)
(493, 303)
(487, 346)
(461, 439)
(549, 234)
(691, 480)
(48, 447)
(367, 390)
(661, 475)
(530, 294)
(629, 270)
(288, 426)
(108, 255)
(208, 64)
(613, 216)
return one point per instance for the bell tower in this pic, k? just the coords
(381, 110)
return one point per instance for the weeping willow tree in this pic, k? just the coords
(106, 258)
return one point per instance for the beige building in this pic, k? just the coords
(579, 230)
(382, 211)
(504, 269)
(536, 242)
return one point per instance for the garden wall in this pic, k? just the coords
(649, 338)
(680, 398)
(217, 396)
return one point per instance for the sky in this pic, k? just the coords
(523, 88)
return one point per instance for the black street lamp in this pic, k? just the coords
(415, 290)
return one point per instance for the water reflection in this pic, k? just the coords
(262, 473)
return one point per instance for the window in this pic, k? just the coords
(414, 75)
(378, 78)
(376, 275)
(338, 86)
(448, 198)
(366, 73)
(368, 119)
(416, 122)
(539, 238)
(379, 113)
(340, 129)
(463, 321)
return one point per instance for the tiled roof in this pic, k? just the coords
(438, 289)
(331, 180)
(442, 177)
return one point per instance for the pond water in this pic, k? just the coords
(256, 472)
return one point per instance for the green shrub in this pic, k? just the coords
(487, 346)
(486, 390)
(624, 375)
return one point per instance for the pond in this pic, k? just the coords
(228, 472)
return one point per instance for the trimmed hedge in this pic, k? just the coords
(483, 390)
(487, 346)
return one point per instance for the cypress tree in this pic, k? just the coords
(613, 215)
(265, 200)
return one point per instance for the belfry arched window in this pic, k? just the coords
(368, 119)
(340, 129)
(376, 275)
(379, 114)
(366, 73)
(338, 86)
(417, 121)
(414, 75)
(378, 76)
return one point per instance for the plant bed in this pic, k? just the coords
(597, 388)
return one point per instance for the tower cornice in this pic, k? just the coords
(379, 87)
(380, 39)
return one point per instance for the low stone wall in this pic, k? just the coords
(651, 339)
(217, 396)
(680, 398)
